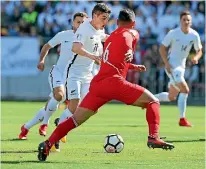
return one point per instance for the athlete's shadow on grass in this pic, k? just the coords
(18, 151)
(13, 139)
(126, 125)
(29, 161)
(185, 141)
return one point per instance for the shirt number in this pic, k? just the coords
(106, 53)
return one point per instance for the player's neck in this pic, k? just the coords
(93, 24)
(185, 30)
(125, 26)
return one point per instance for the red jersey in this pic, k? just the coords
(116, 46)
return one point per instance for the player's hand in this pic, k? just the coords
(40, 66)
(129, 56)
(141, 68)
(97, 60)
(168, 67)
(194, 60)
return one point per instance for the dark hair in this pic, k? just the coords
(126, 15)
(184, 13)
(81, 14)
(101, 7)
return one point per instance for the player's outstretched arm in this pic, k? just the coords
(78, 48)
(44, 51)
(139, 68)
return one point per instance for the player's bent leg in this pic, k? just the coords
(173, 92)
(182, 103)
(151, 103)
(81, 115)
(144, 99)
(36, 119)
(163, 96)
(87, 108)
(58, 93)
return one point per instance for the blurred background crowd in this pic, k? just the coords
(43, 19)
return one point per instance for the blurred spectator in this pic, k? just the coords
(13, 30)
(197, 18)
(175, 8)
(147, 9)
(47, 29)
(24, 28)
(191, 73)
(16, 15)
(30, 16)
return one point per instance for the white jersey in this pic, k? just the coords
(180, 45)
(65, 38)
(81, 67)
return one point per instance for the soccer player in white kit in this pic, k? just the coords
(87, 48)
(179, 41)
(56, 79)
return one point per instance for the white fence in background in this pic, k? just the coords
(19, 56)
(20, 79)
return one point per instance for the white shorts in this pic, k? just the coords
(55, 78)
(76, 89)
(176, 76)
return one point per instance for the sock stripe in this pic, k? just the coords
(154, 102)
(74, 121)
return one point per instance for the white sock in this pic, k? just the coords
(66, 114)
(37, 119)
(163, 97)
(182, 103)
(51, 108)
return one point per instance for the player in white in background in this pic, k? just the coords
(87, 46)
(179, 41)
(56, 79)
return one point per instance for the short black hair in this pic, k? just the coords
(102, 8)
(81, 14)
(126, 15)
(183, 13)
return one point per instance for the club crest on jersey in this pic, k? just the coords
(79, 36)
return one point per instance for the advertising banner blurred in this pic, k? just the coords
(19, 56)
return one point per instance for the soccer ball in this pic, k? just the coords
(113, 143)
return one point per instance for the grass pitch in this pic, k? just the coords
(84, 148)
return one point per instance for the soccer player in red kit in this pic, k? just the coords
(110, 84)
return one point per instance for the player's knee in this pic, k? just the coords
(153, 99)
(59, 96)
(185, 90)
(72, 107)
(172, 98)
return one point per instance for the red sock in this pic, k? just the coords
(61, 130)
(153, 118)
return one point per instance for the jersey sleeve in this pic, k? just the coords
(55, 40)
(168, 39)
(197, 43)
(131, 39)
(80, 35)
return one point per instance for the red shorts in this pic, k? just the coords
(113, 88)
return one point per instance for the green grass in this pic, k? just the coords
(84, 149)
